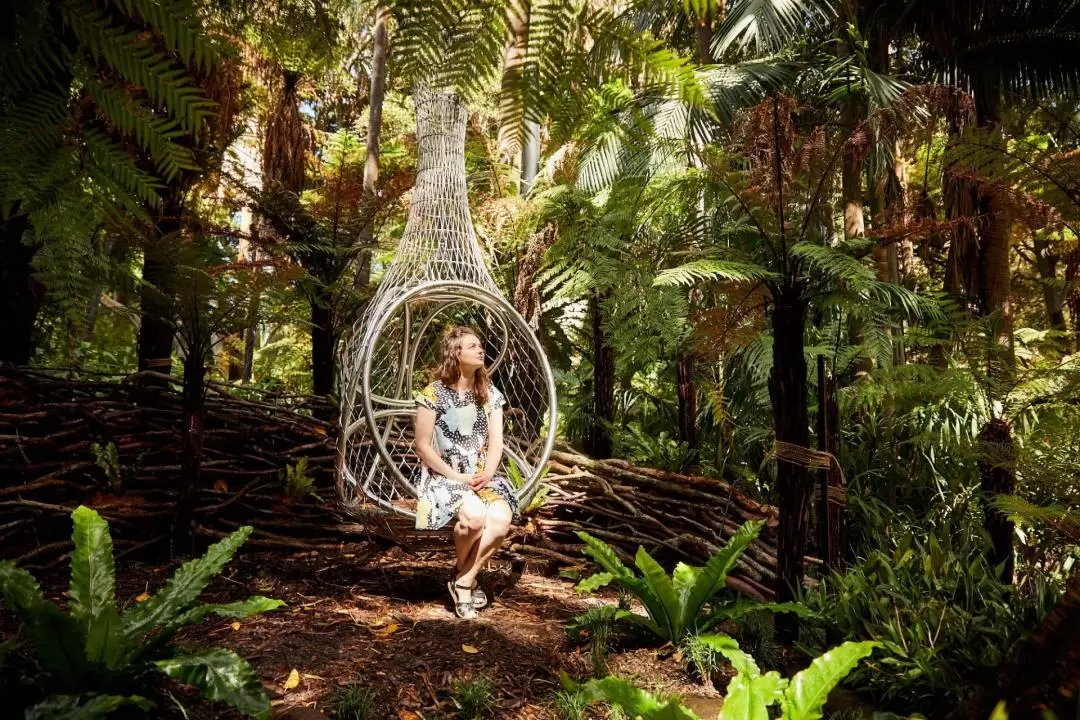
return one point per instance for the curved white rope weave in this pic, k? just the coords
(437, 278)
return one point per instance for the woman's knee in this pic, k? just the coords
(499, 517)
(472, 514)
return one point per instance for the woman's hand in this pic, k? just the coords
(480, 480)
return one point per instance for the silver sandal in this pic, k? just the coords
(463, 608)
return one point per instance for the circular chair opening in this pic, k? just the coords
(396, 352)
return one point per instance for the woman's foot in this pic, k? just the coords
(479, 597)
(462, 598)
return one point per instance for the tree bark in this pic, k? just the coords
(788, 392)
(1046, 262)
(1072, 293)
(684, 376)
(511, 103)
(20, 294)
(997, 476)
(366, 240)
(191, 452)
(156, 328)
(598, 440)
(322, 343)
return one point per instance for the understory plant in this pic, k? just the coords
(675, 604)
(943, 619)
(92, 659)
(750, 694)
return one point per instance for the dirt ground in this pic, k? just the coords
(386, 622)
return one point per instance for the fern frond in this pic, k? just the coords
(137, 60)
(122, 169)
(154, 134)
(711, 270)
(177, 22)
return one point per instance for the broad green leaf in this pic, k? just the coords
(594, 582)
(806, 694)
(92, 590)
(635, 701)
(713, 576)
(181, 591)
(667, 611)
(237, 610)
(604, 556)
(738, 608)
(59, 640)
(82, 707)
(684, 578)
(221, 675)
(750, 696)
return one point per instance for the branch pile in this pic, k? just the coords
(49, 426)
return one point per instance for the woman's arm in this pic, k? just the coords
(425, 429)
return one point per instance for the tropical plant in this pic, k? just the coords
(596, 625)
(513, 472)
(473, 697)
(353, 702)
(944, 621)
(675, 603)
(298, 484)
(100, 106)
(750, 694)
(568, 705)
(91, 660)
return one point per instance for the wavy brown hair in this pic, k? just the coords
(449, 369)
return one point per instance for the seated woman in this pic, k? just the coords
(459, 426)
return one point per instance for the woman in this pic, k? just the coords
(459, 426)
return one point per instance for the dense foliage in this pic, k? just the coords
(745, 230)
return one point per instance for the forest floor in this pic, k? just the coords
(386, 622)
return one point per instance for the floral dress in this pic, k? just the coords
(460, 437)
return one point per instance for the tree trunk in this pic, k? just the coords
(706, 26)
(598, 441)
(511, 102)
(366, 240)
(851, 197)
(20, 294)
(997, 476)
(322, 344)
(794, 488)
(1046, 262)
(191, 452)
(684, 375)
(1072, 293)
(156, 328)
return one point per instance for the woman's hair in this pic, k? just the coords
(449, 370)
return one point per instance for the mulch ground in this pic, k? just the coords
(386, 623)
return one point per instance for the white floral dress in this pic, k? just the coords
(460, 437)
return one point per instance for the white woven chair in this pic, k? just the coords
(437, 278)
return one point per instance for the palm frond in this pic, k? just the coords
(768, 26)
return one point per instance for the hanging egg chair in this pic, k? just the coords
(437, 279)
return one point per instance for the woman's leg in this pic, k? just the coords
(496, 527)
(468, 534)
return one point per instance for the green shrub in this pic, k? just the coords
(568, 705)
(474, 697)
(298, 484)
(701, 657)
(596, 625)
(944, 621)
(675, 604)
(750, 693)
(91, 660)
(353, 702)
